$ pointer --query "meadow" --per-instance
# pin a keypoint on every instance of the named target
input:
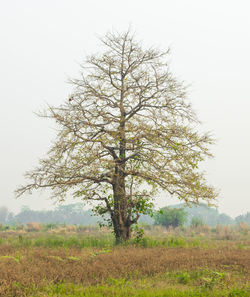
(52, 260)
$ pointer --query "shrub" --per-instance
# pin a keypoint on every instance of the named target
(183, 278)
(33, 227)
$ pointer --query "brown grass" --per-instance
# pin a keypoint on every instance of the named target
(39, 266)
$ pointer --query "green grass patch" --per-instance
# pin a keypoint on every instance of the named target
(122, 289)
(17, 260)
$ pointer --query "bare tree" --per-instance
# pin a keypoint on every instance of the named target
(126, 132)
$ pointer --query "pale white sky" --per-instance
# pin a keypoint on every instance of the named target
(42, 43)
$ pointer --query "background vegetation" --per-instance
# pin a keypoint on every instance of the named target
(77, 214)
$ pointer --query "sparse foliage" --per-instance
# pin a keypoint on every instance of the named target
(126, 132)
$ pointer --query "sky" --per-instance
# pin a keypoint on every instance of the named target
(42, 44)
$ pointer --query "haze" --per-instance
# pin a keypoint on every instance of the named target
(43, 43)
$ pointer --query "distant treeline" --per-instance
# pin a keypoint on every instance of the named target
(76, 214)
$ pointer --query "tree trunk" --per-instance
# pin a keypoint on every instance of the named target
(121, 220)
(122, 232)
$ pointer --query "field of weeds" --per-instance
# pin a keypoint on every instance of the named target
(81, 261)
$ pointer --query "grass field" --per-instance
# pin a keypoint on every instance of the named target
(71, 261)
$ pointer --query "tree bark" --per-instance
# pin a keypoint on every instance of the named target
(121, 220)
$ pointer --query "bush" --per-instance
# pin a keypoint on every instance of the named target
(33, 227)
(50, 226)
(183, 278)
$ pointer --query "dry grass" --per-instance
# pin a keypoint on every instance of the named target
(24, 268)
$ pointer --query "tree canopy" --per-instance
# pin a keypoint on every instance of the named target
(126, 131)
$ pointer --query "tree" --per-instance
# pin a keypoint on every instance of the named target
(171, 217)
(208, 214)
(245, 218)
(126, 132)
(3, 214)
(196, 222)
(224, 219)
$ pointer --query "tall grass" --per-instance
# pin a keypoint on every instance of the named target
(155, 236)
(55, 241)
(106, 240)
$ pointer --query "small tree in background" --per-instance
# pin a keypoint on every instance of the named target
(245, 218)
(126, 132)
(3, 214)
(224, 219)
(196, 222)
(167, 217)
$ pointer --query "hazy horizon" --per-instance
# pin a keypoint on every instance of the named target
(43, 43)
